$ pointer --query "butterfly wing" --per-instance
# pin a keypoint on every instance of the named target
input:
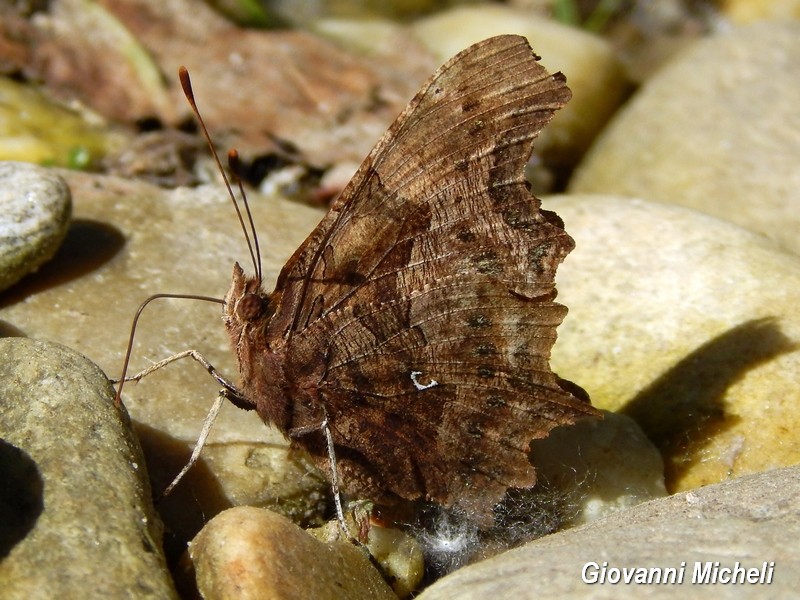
(427, 292)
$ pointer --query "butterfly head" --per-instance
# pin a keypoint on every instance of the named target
(247, 314)
(245, 302)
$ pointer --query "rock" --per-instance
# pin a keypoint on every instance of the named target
(689, 325)
(130, 240)
(747, 11)
(248, 552)
(397, 552)
(78, 519)
(752, 520)
(593, 73)
(597, 467)
(400, 557)
(717, 130)
(34, 220)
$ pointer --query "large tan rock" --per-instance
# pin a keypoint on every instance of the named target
(717, 130)
(688, 324)
(129, 240)
(751, 523)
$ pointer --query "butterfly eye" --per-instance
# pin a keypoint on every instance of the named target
(249, 307)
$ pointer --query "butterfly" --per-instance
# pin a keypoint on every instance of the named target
(408, 338)
(406, 344)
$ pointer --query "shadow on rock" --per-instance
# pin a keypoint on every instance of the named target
(21, 496)
(685, 408)
(88, 245)
(196, 499)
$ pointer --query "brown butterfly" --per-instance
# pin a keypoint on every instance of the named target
(415, 323)
(406, 344)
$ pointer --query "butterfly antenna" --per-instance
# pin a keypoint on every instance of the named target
(186, 84)
(118, 396)
(235, 167)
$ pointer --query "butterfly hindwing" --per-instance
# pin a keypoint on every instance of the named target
(452, 379)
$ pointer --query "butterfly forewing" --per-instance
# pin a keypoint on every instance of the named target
(457, 150)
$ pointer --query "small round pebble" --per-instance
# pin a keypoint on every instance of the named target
(252, 553)
(36, 214)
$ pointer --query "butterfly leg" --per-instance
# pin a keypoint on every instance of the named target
(337, 496)
(228, 392)
(233, 393)
(201, 441)
(324, 426)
